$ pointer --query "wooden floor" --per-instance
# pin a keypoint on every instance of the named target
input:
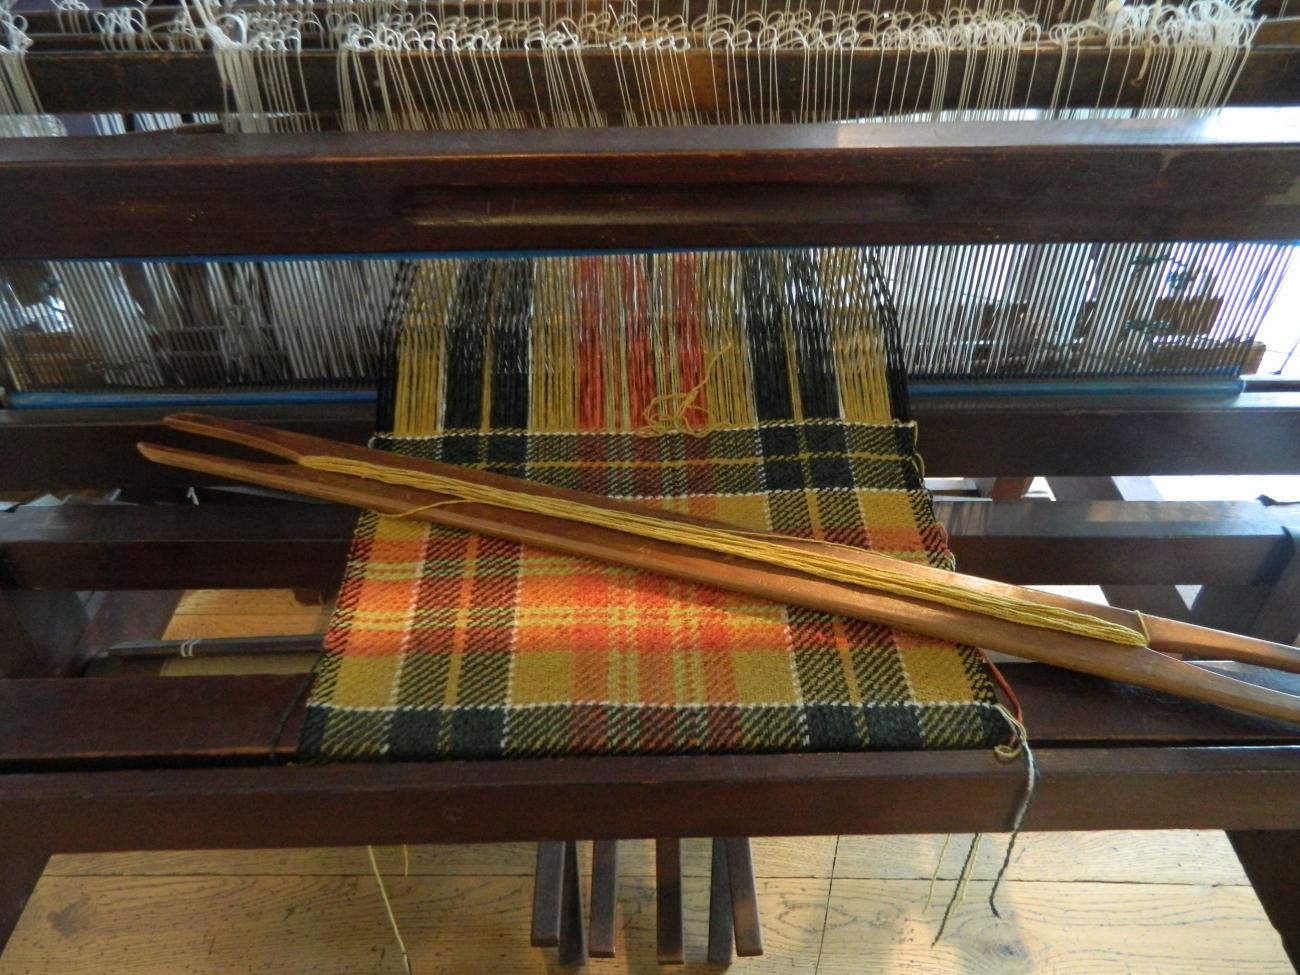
(1074, 904)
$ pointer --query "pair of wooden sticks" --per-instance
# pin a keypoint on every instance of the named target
(1147, 666)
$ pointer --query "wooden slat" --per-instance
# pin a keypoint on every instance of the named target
(1228, 177)
(721, 937)
(1254, 433)
(81, 81)
(744, 898)
(194, 547)
(1170, 857)
(604, 898)
(759, 795)
(671, 945)
(141, 719)
(573, 934)
(548, 894)
(286, 544)
(336, 926)
(153, 721)
(1048, 928)
(164, 13)
(797, 857)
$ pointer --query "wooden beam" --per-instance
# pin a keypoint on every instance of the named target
(1228, 177)
(1279, 618)
(286, 544)
(1253, 433)
(162, 13)
(81, 81)
(1158, 787)
(147, 721)
(1157, 600)
(744, 898)
(278, 545)
(573, 934)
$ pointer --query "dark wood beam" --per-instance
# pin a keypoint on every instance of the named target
(150, 721)
(88, 80)
(1229, 177)
(1159, 600)
(288, 544)
(1158, 787)
(276, 545)
(161, 13)
(1251, 433)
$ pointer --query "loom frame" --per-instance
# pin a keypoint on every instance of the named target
(135, 761)
(1226, 177)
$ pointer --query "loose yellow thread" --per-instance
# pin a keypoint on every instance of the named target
(938, 867)
(1142, 623)
(968, 869)
(411, 512)
(1009, 753)
(670, 412)
(737, 543)
(388, 909)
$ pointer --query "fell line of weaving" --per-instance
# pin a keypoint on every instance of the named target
(448, 644)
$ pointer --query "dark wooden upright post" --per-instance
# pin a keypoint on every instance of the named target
(720, 937)
(1271, 859)
(19, 873)
(604, 897)
(548, 894)
(668, 901)
(573, 936)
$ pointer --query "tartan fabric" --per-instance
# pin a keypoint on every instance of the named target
(451, 645)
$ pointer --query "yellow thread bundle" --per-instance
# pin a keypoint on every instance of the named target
(745, 546)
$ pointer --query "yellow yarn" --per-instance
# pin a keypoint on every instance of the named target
(758, 549)
(613, 310)
(671, 412)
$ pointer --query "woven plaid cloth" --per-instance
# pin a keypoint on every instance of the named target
(451, 645)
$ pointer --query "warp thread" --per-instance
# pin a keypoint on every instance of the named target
(745, 546)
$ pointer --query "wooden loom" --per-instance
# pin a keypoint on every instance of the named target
(133, 761)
